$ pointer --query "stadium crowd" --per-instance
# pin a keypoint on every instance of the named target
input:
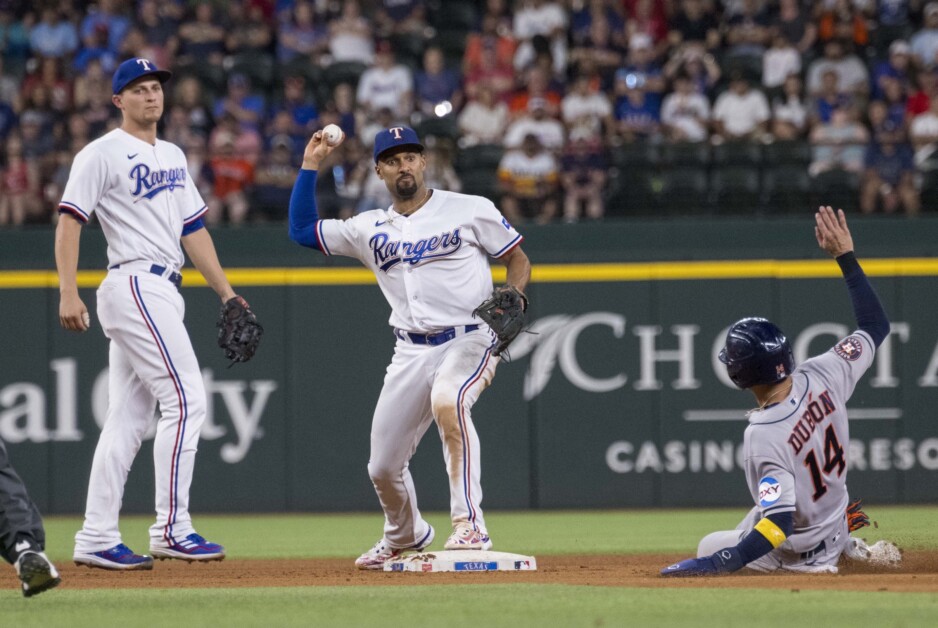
(558, 110)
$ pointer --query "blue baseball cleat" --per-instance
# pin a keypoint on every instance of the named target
(120, 557)
(192, 548)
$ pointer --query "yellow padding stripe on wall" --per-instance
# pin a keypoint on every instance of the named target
(770, 531)
(541, 273)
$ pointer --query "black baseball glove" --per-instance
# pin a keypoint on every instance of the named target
(239, 333)
(504, 313)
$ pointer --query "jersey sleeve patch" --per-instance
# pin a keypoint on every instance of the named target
(770, 490)
(850, 348)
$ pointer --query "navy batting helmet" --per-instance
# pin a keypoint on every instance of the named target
(756, 352)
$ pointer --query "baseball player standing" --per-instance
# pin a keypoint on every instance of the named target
(796, 445)
(429, 251)
(22, 536)
(147, 203)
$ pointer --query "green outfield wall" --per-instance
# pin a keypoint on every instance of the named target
(615, 400)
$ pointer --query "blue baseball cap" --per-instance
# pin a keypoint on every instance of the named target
(396, 137)
(132, 69)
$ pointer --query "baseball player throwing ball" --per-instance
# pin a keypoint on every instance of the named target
(146, 202)
(429, 251)
(796, 444)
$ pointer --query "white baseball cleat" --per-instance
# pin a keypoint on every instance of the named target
(880, 554)
(382, 552)
(465, 537)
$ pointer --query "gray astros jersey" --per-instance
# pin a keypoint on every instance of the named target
(796, 451)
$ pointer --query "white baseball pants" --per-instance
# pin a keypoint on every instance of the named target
(151, 361)
(424, 384)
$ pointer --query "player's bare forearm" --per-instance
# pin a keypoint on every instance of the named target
(519, 269)
(73, 314)
(831, 231)
(201, 250)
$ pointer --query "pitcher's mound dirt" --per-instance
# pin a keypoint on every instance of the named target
(919, 573)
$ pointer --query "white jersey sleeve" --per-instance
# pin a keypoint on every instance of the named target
(192, 206)
(493, 231)
(771, 483)
(843, 366)
(344, 237)
(86, 184)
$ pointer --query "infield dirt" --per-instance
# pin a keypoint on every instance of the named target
(918, 573)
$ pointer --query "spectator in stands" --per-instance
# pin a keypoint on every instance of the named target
(637, 114)
(747, 31)
(436, 85)
(793, 24)
(896, 101)
(923, 134)
(592, 11)
(241, 102)
(250, 32)
(159, 31)
(789, 113)
(50, 79)
(188, 97)
(829, 98)
(386, 85)
(685, 114)
(598, 52)
(14, 33)
(106, 15)
(528, 179)
(778, 62)
(537, 84)
(927, 88)
(648, 19)
(247, 140)
(200, 168)
(233, 176)
(94, 48)
(700, 66)
(53, 36)
(302, 113)
(889, 180)
(884, 129)
(340, 110)
(9, 87)
(273, 181)
(852, 75)
(484, 119)
(924, 42)
(350, 35)
(897, 66)
(19, 185)
(7, 120)
(498, 76)
(547, 19)
(301, 37)
(641, 70)
(586, 111)
(695, 23)
(401, 17)
(538, 122)
(843, 20)
(440, 173)
(893, 13)
(282, 129)
(499, 42)
(583, 178)
(740, 113)
(201, 37)
(838, 144)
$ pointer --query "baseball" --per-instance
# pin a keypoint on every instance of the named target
(86, 319)
(332, 134)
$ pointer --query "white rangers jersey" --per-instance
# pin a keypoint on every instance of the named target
(142, 193)
(796, 451)
(432, 265)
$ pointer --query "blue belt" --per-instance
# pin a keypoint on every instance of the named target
(811, 553)
(174, 277)
(438, 338)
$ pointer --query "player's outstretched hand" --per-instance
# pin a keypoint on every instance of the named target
(831, 231)
(317, 149)
(691, 567)
(73, 315)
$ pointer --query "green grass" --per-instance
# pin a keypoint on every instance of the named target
(514, 605)
(554, 532)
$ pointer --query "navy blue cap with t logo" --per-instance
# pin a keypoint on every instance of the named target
(132, 69)
(396, 137)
